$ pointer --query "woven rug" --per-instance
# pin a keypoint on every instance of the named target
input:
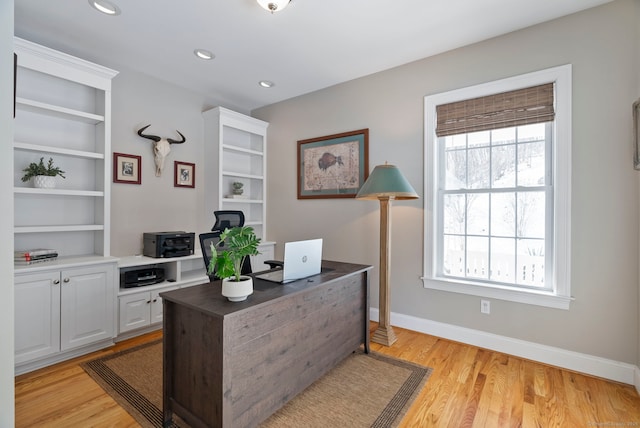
(364, 390)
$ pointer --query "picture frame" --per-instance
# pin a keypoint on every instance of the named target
(636, 135)
(127, 168)
(333, 166)
(184, 174)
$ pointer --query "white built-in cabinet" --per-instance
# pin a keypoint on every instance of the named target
(63, 111)
(140, 308)
(235, 149)
(63, 312)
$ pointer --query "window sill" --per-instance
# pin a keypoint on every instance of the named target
(529, 297)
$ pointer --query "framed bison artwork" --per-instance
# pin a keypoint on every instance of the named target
(334, 166)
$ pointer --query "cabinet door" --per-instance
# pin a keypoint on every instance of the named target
(156, 305)
(37, 311)
(135, 311)
(87, 305)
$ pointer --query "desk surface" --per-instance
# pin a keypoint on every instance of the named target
(208, 298)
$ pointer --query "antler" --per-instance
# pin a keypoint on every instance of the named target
(176, 141)
(151, 137)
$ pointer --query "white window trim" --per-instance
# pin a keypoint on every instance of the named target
(560, 297)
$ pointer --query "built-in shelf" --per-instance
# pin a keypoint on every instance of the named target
(242, 150)
(52, 229)
(242, 175)
(62, 112)
(57, 111)
(65, 262)
(59, 192)
(244, 201)
(57, 150)
(235, 151)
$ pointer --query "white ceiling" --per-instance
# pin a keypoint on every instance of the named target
(310, 45)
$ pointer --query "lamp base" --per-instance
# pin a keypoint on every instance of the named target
(384, 336)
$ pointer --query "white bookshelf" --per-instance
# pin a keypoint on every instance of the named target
(63, 111)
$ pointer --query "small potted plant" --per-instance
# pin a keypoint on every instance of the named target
(227, 258)
(43, 176)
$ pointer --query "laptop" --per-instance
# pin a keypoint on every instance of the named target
(302, 259)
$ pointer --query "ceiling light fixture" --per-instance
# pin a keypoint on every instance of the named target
(203, 54)
(274, 5)
(266, 84)
(105, 6)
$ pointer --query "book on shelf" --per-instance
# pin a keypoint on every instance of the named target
(34, 261)
(34, 254)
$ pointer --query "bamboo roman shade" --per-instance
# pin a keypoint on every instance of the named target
(520, 107)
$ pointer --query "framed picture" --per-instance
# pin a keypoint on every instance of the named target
(334, 166)
(127, 168)
(184, 174)
(636, 135)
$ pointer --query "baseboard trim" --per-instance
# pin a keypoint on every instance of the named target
(583, 363)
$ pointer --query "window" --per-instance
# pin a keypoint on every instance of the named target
(497, 176)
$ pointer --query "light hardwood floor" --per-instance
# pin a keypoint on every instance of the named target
(469, 387)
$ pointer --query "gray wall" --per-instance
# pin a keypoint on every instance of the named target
(156, 205)
(6, 225)
(602, 45)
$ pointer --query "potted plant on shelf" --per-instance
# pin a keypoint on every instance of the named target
(227, 258)
(43, 176)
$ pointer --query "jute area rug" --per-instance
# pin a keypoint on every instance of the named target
(363, 391)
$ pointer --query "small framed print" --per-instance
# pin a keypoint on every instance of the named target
(184, 174)
(127, 168)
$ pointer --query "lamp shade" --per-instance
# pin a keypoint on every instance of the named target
(386, 180)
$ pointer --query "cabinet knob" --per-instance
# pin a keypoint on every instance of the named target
(56, 281)
(148, 301)
(155, 300)
(66, 280)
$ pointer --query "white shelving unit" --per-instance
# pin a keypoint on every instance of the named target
(140, 308)
(236, 151)
(63, 308)
(63, 111)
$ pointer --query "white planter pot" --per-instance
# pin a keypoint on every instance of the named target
(237, 291)
(44, 182)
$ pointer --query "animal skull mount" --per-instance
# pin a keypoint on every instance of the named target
(161, 147)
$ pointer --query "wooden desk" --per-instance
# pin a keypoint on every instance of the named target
(234, 364)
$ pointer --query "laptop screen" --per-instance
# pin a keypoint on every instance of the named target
(302, 259)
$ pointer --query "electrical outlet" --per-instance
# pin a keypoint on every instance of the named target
(485, 306)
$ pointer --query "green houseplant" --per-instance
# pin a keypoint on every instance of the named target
(227, 258)
(37, 170)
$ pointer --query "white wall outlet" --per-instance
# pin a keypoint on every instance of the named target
(485, 306)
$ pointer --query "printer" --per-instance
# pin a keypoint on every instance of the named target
(168, 244)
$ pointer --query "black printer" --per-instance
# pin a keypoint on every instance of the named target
(168, 244)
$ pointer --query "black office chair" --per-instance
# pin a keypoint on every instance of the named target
(227, 219)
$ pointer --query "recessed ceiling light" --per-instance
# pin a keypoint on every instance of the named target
(203, 54)
(105, 6)
(266, 84)
(274, 5)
